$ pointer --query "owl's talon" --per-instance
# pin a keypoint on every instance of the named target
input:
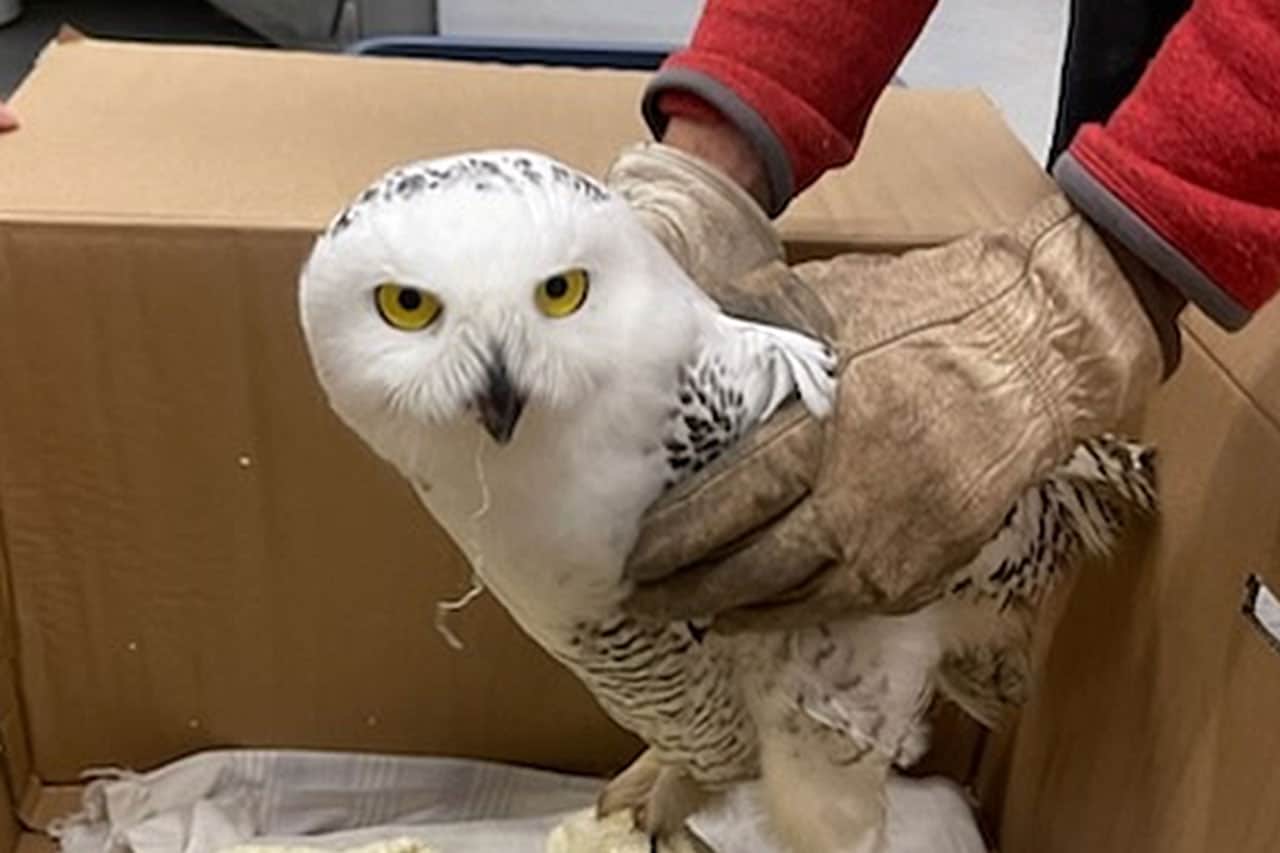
(660, 798)
(640, 816)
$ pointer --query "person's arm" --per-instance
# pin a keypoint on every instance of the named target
(1185, 173)
(951, 402)
(8, 120)
(776, 92)
(1181, 180)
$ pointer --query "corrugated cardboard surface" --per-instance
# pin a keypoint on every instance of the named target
(1155, 725)
(199, 553)
(254, 138)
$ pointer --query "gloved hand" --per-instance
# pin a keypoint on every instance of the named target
(708, 223)
(966, 373)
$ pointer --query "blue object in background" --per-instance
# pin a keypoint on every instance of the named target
(621, 55)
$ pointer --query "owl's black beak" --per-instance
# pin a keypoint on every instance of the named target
(500, 403)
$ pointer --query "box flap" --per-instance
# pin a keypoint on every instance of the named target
(1159, 693)
(118, 132)
(201, 555)
(1250, 356)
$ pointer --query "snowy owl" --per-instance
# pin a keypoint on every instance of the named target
(505, 332)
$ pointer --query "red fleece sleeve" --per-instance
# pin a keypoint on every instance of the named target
(1187, 170)
(798, 77)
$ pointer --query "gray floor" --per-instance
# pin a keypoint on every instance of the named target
(1009, 48)
(1012, 49)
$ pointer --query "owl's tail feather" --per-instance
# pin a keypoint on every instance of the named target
(820, 799)
(1080, 510)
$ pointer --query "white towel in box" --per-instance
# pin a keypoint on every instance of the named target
(215, 802)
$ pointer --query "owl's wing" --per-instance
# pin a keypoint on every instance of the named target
(739, 377)
(873, 677)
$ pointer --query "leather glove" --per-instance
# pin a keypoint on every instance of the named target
(966, 373)
(709, 224)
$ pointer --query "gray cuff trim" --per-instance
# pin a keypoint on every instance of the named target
(777, 165)
(1108, 212)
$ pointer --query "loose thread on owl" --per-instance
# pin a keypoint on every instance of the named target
(453, 605)
(444, 608)
(482, 480)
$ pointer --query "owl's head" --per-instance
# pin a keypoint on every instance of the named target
(475, 288)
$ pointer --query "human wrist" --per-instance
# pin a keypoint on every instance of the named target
(1161, 301)
(720, 144)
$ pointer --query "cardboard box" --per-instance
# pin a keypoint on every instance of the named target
(1155, 725)
(198, 554)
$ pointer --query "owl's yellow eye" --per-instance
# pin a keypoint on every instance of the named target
(406, 308)
(563, 293)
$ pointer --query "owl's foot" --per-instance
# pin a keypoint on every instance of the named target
(672, 801)
(660, 798)
(631, 787)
